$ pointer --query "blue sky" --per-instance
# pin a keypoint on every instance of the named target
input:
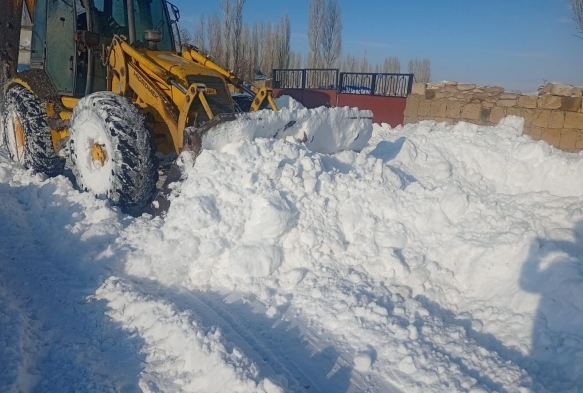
(511, 43)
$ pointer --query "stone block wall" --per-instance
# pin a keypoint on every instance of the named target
(554, 115)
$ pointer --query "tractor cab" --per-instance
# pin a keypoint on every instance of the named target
(73, 52)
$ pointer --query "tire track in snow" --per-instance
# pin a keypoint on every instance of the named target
(66, 343)
(286, 359)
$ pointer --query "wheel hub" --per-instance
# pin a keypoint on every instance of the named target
(18, 135)
(19, 131)
(98, 154)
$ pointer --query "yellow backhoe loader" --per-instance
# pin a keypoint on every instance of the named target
(108, 87)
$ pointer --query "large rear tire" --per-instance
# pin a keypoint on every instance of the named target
(26, 133)
(113, 152)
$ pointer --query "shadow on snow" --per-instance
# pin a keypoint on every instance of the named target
(48, 271)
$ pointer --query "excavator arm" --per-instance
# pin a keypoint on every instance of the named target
(192, 53)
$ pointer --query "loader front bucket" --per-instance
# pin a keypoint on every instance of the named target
(324, 130)
(191, 149)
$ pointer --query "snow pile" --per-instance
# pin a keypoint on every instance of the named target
(288, 102)
(62, 304)
(193, 360)
(325, 130)
(438, 258)
(424, 234)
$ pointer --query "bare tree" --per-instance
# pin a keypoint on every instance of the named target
(283, 45)
(245, 62)
(185, 37)
(237, 26)
(255, 47)
(215, 39)
(269, 50)
(364, 64)
(262, 43)
(228, 12)
(421, 68)
(332, 35)
(317, 19)
(349, 64)
(295, 60)
(392, 65)
(199, 39)
(577, 6)
(258, 47)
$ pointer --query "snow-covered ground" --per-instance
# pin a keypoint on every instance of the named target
(438, 259)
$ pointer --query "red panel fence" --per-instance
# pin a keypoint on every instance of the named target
(383, 93)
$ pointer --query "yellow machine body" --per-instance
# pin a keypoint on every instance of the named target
(162, 83)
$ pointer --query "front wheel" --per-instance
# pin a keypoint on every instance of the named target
(112, 151)
(26, 133)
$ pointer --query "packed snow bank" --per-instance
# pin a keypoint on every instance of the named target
(426, 234)
(439, 258)
(288, 102)
(69, 323)
(325, 130)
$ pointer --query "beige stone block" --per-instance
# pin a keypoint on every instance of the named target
(465, 86)
(546, 89)
(568, 139)
(412, 106)
(424, 108)
(557, 119)
(450, 83)
(494, 90)
(577, 92)
(488, 104)
(429, 94)
(579, 142)
(443, 120)
(478, 90)
(418, 88)
(508, 96)
(506, 103)
(528, 115)
(451, 90)
(485, 115)
(527, 101)
(541, 119)
(496, 114)
(476, 100)
(548, 101)
(574, 120)
(410, 120)
(437, 85)
(437, 108)
(453, 109)
(572, 104)
(513, 112)
(439, 95)
(562, 90)
(534, 132)
(471, 111)
(551, 136)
